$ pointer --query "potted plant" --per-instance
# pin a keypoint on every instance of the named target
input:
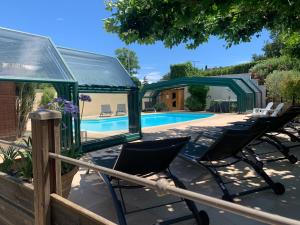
(18, 162)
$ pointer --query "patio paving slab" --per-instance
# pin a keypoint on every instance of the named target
(90, 192)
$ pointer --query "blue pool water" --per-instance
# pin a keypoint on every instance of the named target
(148, 120)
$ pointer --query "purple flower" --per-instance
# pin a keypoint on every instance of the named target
(58, 100)
(85, 98)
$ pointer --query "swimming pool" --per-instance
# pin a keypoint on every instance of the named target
(148, 120)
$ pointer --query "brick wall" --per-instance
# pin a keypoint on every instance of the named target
(8, 118)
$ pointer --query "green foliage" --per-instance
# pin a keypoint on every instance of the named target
(193, 22)
(136, 81)
(186, 69)
(48, 96)
(284, 84)
(274, 48)
(194, 104)
(24, 103)
(182, 70)
(8, 155)
(167, 76)
(199, 91)
(236, 69)
(291, 41)
(262, 69)
(128, 59)
(72, 153)
(197, 100)
(256, 57)
(160, 107)
(25, 169)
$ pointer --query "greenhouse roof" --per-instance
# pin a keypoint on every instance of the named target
(28, 57)
(92, 69)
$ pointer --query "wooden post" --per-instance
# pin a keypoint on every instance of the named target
(45, 126)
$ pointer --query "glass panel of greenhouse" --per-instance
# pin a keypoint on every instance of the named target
(94, 69)
(30, 57)
(112, 113)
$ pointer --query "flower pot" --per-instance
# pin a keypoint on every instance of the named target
(66, 181)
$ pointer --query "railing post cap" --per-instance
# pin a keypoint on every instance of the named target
(45, 114)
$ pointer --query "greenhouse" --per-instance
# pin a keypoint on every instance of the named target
(27, 59)
(248, 95)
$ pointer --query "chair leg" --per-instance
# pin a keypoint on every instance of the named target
(201, 217)
(278, 188)
(292, 136)
(226, 195)
(117, 204)
(283, 149)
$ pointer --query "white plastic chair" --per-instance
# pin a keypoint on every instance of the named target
(263, 111)
(278, 110)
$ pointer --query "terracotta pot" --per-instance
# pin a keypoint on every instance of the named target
(66, 181)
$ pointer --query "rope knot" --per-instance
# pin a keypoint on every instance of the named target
(161, 187)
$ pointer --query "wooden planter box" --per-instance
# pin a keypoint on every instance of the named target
(66, 179)
(17, 206)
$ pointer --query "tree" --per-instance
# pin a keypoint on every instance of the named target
(271, 49)
(274, 48)
(24, 105)
(128, 59)
(284, 84)
(48, 96)
(193, 22)
(182, 70)
(145, 80)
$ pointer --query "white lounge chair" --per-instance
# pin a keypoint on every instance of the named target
(271, 112)
(262, 111)
(105, 110)
(121, 109)
(278, 110)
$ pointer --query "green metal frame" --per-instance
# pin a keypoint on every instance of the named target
(245, 101)
(133, 117)
(70, 135)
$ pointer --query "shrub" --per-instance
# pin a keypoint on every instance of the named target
(261, 70)
(182, 70)
(284, 84)
(24, 104)
(236, 69)
(199, 94)
(161, 107)
(48, 96)
(194, 104)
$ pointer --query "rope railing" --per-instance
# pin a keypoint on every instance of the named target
(162, 186)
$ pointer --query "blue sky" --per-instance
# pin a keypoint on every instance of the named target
(78, 24)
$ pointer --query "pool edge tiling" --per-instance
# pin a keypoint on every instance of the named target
(148, 120)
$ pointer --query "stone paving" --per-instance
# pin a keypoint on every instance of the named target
(90, 192)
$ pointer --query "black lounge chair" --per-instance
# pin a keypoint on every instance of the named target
(277, 125)
(105, 110)
(121, 109)
(145, 159)
(231, 143)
